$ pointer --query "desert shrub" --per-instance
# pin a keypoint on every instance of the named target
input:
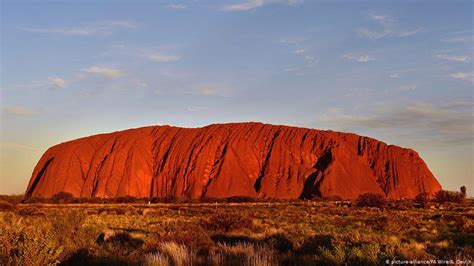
(463, 191)
(243, 254)
(377, 223)
(448, 196)
(190, 234)
(6, 206)
(96, 200)
(313, 244)
(400, 204)
(29, 211)
(371, 200)
(127, 199)
(28, 245)
(364, 255)
(167, 199)
(333, 198)
(89, 257)
(125, 241)
(155, 259)
(62, 197)
(12, 199)
(180, 254)
(118, 211)
(279, 242)
(120, 244)
(410, 251)
(241, 199)
(29, 200)
(335, 256)
(68, 228)
(226, 222)
(422, 199)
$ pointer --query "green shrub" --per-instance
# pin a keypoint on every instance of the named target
(371, 200)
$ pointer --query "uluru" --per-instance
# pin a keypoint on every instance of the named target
(226, 160)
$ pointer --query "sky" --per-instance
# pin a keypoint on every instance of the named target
(398, 71)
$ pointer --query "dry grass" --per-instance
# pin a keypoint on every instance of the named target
(244, 233)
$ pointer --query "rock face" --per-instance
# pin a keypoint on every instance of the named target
(225, 160)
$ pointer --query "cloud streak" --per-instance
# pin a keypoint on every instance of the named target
(176, 6)
(211, 90)
(87, 29)
(17, 146)
(18, 111)
(162, 57)
(361, 58)
(464, 76)
(57, 82)
(460, 39)
(253, 4)
(454, 58)
(108, 72)
(386, 28)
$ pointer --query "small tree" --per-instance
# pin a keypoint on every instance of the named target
(463, 191)
(371, 200)
(62, 197)
(422, 199)
(448, 196)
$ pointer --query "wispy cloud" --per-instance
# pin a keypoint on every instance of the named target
(57, 82)
(86, 29)
(298, 49)
(253, 4)
(400, 89)
(386, 27)
(18, 111)
(394, 75)
(176, 6)
(295, 41)
(464, 76)
(455, 58)
(161, 57)
(104, 71)
(211, 90)
(196, 108)
(446, 123)
(361, 58)
(13, 145)
(407, 33)
(460, 39)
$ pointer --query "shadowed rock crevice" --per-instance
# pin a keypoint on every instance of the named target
(258, 182)
(38, 177)
(312, 184)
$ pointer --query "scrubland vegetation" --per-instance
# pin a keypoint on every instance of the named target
(128, 231)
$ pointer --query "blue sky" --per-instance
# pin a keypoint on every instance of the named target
(399, 71)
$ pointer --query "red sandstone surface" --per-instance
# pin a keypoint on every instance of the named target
(225, 160)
